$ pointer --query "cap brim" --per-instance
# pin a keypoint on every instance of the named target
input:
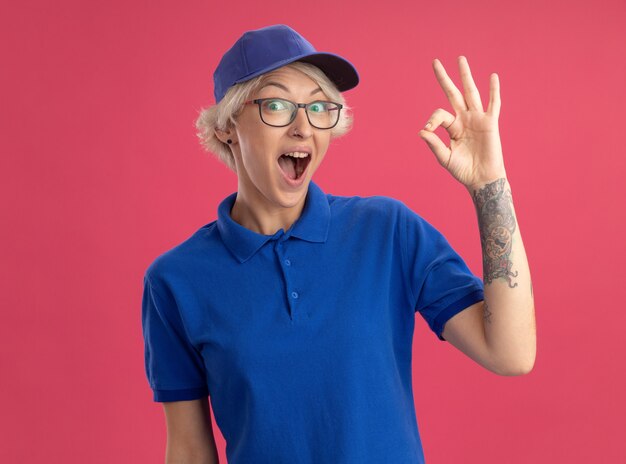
(338, 69)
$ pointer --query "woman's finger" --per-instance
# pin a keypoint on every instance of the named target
(442, 153)
(472, 96)
(494, 95)
(454, 95)
(440, 117)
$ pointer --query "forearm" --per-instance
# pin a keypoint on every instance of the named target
(509, 312)
(192, 459)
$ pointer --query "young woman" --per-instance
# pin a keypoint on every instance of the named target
(294, 310)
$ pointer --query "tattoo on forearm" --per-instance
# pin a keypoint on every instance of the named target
(497, 224)
(487, 313)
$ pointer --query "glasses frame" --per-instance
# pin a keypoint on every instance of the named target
(259, 101)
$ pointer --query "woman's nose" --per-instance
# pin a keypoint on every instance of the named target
(300, 125)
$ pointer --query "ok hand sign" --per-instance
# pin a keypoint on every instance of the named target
(474, 156)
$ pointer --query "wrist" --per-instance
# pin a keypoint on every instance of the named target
(500, 181)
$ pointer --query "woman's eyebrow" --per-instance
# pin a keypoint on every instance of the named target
(281, 86)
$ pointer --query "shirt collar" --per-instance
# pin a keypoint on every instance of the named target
(312, 225)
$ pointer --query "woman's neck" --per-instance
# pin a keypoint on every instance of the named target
(262, 218)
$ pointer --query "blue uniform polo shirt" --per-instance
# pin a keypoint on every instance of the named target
(303, 338)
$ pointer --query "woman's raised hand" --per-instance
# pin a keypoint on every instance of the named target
(474, 156)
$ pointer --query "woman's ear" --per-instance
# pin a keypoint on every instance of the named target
(224, 136)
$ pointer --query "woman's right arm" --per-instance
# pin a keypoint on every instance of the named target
(189, 433)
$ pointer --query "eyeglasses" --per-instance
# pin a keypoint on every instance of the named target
(278, 112)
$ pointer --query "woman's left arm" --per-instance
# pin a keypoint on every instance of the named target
(499, 332)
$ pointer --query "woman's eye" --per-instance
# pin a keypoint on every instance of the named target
(318, 107)
(275, 105)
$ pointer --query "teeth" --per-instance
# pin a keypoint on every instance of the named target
(297, 154)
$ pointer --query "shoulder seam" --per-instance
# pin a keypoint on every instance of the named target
(404, 250)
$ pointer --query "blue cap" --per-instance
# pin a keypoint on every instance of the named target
(261, 50)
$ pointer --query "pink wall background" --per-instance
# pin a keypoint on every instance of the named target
(101, 172)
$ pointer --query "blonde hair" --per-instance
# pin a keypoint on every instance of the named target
(224, 114)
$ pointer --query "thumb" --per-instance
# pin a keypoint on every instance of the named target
(437, 146)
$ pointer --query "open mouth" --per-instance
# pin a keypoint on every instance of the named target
(294, 164)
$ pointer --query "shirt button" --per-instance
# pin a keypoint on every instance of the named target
(287, 262)
(294, 294)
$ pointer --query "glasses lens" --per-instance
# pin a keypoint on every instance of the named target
(323, 114)
(277, 112)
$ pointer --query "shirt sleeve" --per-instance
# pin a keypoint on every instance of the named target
(174, 367)
(441, 283)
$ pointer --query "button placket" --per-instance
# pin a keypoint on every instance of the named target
(285, 265)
